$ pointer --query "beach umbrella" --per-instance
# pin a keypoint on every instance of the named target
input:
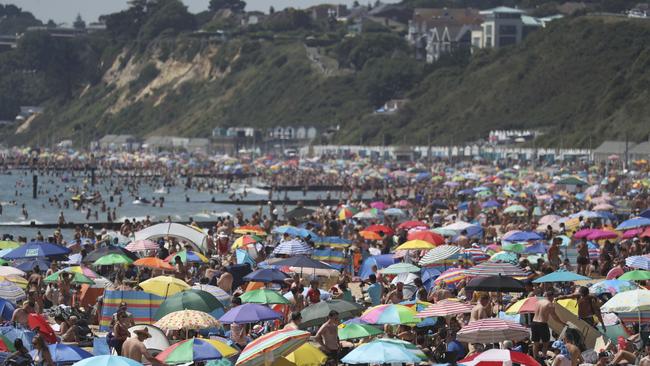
(187, 256)
(292, 247)
(495, 269)
(8, 244)
(490, 204)
(113, 259)
(451, 276)
(499, 357)
(249, 313)
(186, 320)
(36, 250)
(333, 241)
(518, 236)
(215, 291)
(6, 309)
(632, 223)
(549, 219)
(195, 350)
(513, 247)
(77, 278)
(307, 355)
(612, 287)
(390, 314)
(380, 228)
(638, 261)
(356, 331)
(272, 345)
(316, 314)
(298, 213)
(601, 235)
(582, 233)
(636, 275)
(190, 299)
(415, 245)
(441, 255)
(10, 271)
(398, 268)
(369, 214)
(302, 263)
(246, 240)
(103, 251)
(474, 254)
(523, 306)
(537, 248)
(370, 235)
(515, 209)
(385, 351)
(561, 276)
(266, 275)
(426, 235)
(142, 245)
(395, 212)
(83, 270)
(345, 213)
(154, 263)
(412, 224)
(286, 229)
(11, 292)
(497, 283)
(628, 302)
(107, 360)
(35, 321)
(65, 353)
(252, 230)
(445, 308)
(492, 330)
(20, 281)
(263, 296)
(30, 265)
(6, 345)
(504, 257)
(164, 286)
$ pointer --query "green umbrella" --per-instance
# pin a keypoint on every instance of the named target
(638, 275)
(3, 262)
(263, 296)
(398, 268)
(77, 278)
(515, 209)
(112, 259)
(316, 314)
(355, 331)
(191, 299)
(514, 247)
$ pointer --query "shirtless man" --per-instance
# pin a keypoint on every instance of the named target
(482, 309)
(554, 253)
(397, 295)
(539, 328)
(65, 286)
(225, 281)
(21, 314)
(588, 306)
(439, 293)
(328, 336)
(135, 349)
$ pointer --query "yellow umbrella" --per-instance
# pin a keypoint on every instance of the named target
(570, 304)
(415, 245)
(307, 355)
(8, 244)
(21, 282)
(282, 361)
(164, 285)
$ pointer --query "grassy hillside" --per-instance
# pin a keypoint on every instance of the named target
(580, 81)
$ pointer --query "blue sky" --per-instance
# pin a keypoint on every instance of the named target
(66, 10)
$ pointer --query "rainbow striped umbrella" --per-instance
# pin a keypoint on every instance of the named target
(445, 308)
(390, 314)
(187, 256)
(451, 276)
(195, 350)
(346, 213)
(476, 255)
(271, 346)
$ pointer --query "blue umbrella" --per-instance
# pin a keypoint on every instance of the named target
(561, 276)
(107, 360)
(6, 309)
(64, 353)
(632, 223)
(28, 266)
(333, 240)
(522, 236)
(536, 248)
(383, 351)
(266, 275)
(646, 214)
(15, 333)
(249, 313)
(37, 249)
(490, 204)
(286, 229)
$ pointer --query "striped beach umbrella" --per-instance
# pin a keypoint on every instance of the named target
(638, 261)
(142, 245)
(442, 255)
(445, 308)
(475, 255)
(451, 276)
(271, 346)
(492, 330)
(494, 269)
(187, 256)
(195, 350)
(11, 292)
(292, 247)
(390, 314)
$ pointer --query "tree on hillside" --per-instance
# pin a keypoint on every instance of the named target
(170, 16)
(233, 5)
(79, 23)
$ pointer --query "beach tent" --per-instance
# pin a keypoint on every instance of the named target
(193, 236)
(381, 261)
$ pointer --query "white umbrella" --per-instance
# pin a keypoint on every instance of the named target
(628, 302)
(191, 235)
(11, 292)
(10, 271)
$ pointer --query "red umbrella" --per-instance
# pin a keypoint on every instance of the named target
(380, 228)
(499, 357)
(38, 321)
(411, 224)
(428, 236)
(645, 233)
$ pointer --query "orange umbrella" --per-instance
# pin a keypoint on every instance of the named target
(428, 236)
(154, 263)
(370, 235)
(254, 286)
(250, 229)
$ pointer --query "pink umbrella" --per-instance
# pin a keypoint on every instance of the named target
(602, 234)
(583, 233)
(141, 245)
(603, 207)
(378, 205)
(549, 219)
(632, 233)
(403, 203)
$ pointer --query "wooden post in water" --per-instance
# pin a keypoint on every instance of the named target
(34, 186)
